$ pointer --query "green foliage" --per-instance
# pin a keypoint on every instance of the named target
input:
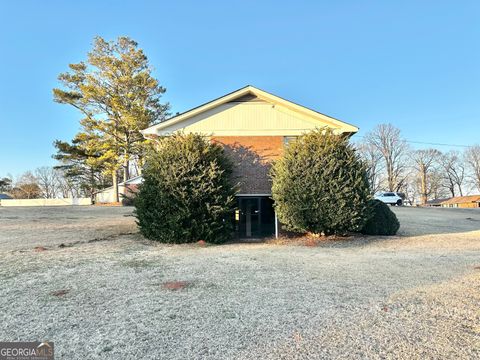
(117, 97)
(186, 194)
(5, 184)
(80, 166)
(381, 220)
(320, 185)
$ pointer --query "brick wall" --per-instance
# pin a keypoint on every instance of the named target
(252, 157)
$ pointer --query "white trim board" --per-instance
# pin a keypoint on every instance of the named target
(253, 195)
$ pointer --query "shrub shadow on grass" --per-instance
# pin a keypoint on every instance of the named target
(333, 241)
(139, 264)
(351, 241)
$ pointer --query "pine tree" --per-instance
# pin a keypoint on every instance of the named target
(117, 95)
(80, 165)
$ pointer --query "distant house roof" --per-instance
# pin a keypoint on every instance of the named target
(437, 201)
(5, 197)
(462, 199)
(133, 181)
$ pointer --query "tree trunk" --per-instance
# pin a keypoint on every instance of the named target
(126, 168)
(126, 159)
(424, 186)
(391, 184)
(452, 190)
(92, 186)
(115, 186)
(138, 166)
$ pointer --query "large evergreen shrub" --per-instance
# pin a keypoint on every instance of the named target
(381, 221)
(186, 194)
(320, 185)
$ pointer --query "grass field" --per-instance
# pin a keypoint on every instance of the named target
(83, 278)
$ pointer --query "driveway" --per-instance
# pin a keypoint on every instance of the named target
(98, 290)
(425, 221)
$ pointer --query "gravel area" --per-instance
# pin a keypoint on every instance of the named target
(106, 293)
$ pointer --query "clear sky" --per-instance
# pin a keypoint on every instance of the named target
(415, 64)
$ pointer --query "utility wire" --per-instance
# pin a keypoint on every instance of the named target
(439, 144)
(427, 143)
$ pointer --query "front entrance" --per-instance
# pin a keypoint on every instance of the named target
(255, 217)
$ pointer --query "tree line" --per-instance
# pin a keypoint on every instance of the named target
(45, 182)
(421, 174)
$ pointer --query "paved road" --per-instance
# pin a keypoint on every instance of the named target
(427, 221)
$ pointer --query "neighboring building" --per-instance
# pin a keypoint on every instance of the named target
(436, 202)
(471, 201)
(253, 126)
(126, 190)
(4, 197)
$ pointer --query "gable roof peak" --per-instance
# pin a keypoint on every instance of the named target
(249, 89)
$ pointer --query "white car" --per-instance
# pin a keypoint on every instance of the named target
(390, 198)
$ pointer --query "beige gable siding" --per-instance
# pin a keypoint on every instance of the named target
(249, 112)
(249, 118)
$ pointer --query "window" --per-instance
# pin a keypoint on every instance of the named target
(288, 139)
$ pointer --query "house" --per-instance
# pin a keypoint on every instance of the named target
(254, 127)
(436, 202)
(4, 197)
(125, 190)
(470, 201)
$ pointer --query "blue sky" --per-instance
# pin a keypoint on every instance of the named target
(415, 64)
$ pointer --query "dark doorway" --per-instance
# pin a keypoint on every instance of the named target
(255, 217)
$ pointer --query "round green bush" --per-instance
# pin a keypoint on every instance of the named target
(381, 221)
(186, 194)
(320, 185)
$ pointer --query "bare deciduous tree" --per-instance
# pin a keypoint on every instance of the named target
(437, 184)
(373, 161)
(69, 187)
(424, 162)
(26, 187)
(387, 140)
(472, 159)
(410, 188)
(453, 169)
(49, 181)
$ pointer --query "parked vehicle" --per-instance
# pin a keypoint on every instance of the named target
(391, 198)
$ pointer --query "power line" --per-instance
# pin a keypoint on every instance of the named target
(428, 143)
(438, 144)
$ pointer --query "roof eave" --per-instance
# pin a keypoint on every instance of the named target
(198, 110)
(156, 129)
